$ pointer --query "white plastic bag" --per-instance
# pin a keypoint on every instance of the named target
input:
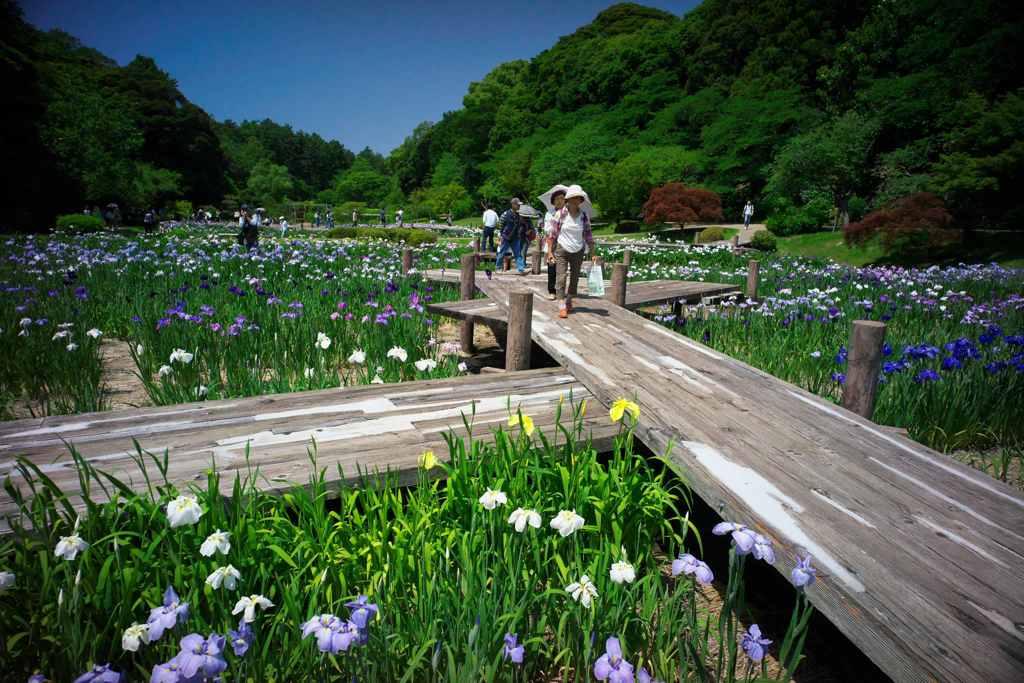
(595, 281)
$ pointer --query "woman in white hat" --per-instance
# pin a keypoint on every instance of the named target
(554, 200)
(568, 242)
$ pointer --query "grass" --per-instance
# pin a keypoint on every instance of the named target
(448, 572)
(829, 245)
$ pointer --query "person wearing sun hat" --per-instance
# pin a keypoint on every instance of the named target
(568, 242)
(553, 200)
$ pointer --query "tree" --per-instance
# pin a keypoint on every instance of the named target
(153, 186)
(676, 203)
(831, 160)
(908, 226)
(623, 187)
(451, 198)
(361, 183)
(448, 170)
(269, 182)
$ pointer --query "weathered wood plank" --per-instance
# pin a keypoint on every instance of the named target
(366, 428)
(921, 558)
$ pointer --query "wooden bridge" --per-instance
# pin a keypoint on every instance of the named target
(921, 559)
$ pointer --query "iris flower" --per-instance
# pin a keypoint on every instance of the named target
(621, 407)
(524, 421)
(183, 510)
(566, 522)
(248, 605)
(742, 536)
(68, 547)
(167, 616)
(691, 566)
(582, 591)
(512, 650)
(520, 518)
(803, 573)
(611, 666)
(218, 541)
(753, 644)
(493, 498)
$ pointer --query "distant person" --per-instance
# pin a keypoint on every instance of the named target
(316, 219)
(355, 218)
(85, 211)
(243, 224)
(449, 219)
(252, 234)
(400, 217)
(330, 219)
(513, 232)
(568, 243)
(490, 221)
(748, 213)
(149, 220)
(554, 200)
(382, 217)
(284, 226)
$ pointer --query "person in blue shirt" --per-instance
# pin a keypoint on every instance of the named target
(513, 235)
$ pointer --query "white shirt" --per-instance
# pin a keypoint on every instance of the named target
(490, 218)
(748, 210)
(550, 221)
(571, 236)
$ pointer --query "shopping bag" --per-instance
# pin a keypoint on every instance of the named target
(595, 282)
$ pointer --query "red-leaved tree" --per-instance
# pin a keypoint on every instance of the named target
(908, 225)
(676, 203)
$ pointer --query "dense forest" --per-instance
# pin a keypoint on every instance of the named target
(815, 109)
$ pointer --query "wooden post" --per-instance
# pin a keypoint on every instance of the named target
(752, 269)
(735, 242)
(507, 265)
(627, 258)
(406, 261)
(617, 292)
(476, 245)
(467, 288)
(520, 317)
(863, 365)
(535, 263)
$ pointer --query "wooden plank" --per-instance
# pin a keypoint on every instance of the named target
(368, 428)
(920, 558)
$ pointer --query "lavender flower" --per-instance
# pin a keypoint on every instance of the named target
(611, 666)
(753, 644)
(202, 656)
(512, 650)
(167, 616)
(763, 549)
(101, 673)
(803, 573)
(332, 634)
(742, 536)
(690, 565)
(643, 677)
(362, 612)
(241, 639)
(168, 672)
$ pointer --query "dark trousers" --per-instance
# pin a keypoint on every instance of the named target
(488, 240)
(552, 269)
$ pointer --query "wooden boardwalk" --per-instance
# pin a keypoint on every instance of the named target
(367, 428)
(920, 558)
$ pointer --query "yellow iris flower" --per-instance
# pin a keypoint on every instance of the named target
(524, 421)
(621, 407)
(428, 460)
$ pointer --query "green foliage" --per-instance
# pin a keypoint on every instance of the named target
(794, 220)
(152, 186)
(361, 183)
(448, 171)
(625, 185)
(407, 235)
(268, 182)
(78, 222)
(451, 198)
(764, 240)
(709, 235)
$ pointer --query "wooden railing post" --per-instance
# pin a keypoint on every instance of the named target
(627, 258)
(476, 245)
(752, 273)
(535, 262)
(864, 362)
(406, 261)
(467, 288)
(617, 292)
(518, 341)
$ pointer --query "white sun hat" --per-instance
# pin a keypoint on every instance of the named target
(546, 197)
(577, 191)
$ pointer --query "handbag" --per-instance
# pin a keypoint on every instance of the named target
(595, 281)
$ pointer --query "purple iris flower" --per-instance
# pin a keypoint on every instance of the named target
(611, 666)
(841, 356)
(741, 535)
(234, 330)
(81, 293)
(643, 677)
(37, 678)
(763, 549)
(391, 287)
(753, 644)
(839, 377)
(951, 363)
(926, 376)
(362, 612)
(886, 349)
(690, 565)
(202, 656)
(803, 573)
(241, 639)
(332, 634)
(513, 650)
(167, 616)
(162, 323)
(101, 673)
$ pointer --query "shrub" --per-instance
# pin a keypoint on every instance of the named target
(708, 235)
(857, 208)
(626, 227)
(764, 240)
(908, 226)
(793, 220)
(410, 235)
(676, 203)
(79, 222)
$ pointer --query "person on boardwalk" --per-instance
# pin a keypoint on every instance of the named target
(243, 222)
(567, 243)
(399, 217)
(512, 234)
(149, 221)
(381, 217)
(252, 234)
(284, 226)
(554, 200)
(355, 218)
(490, 220)
(748, 213)
(316, 219)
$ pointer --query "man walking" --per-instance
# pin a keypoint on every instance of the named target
(490, 219)
(748, 213)
(380, 216)
(355, 218)
(512, 234)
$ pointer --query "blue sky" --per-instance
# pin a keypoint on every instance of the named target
(364, 73)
